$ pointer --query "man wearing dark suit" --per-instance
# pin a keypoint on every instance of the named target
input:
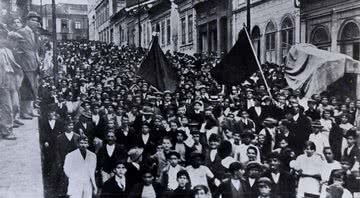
(257, 113)
(86, 127)
(146, 116)
(117, 186)
(108, 155)
(125, 134)
(301, 127)
(235, 186)
(65, 143)
(29, 61)
(99, 122)
(51, 128)
(145, 140)
(351, 152)
(283, 183)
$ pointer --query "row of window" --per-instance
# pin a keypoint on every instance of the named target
(106, 35)
(188, 27)
(102, 14)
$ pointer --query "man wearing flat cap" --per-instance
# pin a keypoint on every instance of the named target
(264, 188)
(29, 62)
(235, 186)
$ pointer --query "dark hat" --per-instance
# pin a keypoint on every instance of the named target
(247, 134)
(196, 154)
(253, 165)
(351, 133)
(33, 14)
(235, 166)
(172, 153)
(264, 181)
(214, 138)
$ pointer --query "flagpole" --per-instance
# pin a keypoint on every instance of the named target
(257, 61)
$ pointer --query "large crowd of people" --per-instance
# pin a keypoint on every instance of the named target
(104, 131)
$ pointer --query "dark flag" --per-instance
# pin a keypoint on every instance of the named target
(238, 65)
(157, 70)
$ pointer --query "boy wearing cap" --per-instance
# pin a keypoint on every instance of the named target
(264, 188)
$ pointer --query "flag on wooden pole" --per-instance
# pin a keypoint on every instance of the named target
(157, 70)
(238, 65)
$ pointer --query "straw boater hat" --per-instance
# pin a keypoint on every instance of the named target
(146, 110)
(316, 124)
(135, 153)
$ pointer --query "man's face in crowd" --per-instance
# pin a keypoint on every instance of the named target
(182, 180)
(264, 190)
(17, 24)
(197, 106)
(251, 153)
(214, 144)
(173, 126)
(166, 144)
(200, 194)
(254, 173)
(329, 156)
(110, 138)
(120, 170)
(350, 140)
(324, 101)
(196, 138)
(174, 160)
(148, 179)
(296, 108)
(145, 129)
(69, 127)
(52, 115)
(274, 164)
(281, 100)
(249, 95)
(83, 144)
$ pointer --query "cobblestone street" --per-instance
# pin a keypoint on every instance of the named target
(20, 167)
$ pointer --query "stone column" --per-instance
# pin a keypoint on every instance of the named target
(219, 41)
(358, 86)
(334, 31)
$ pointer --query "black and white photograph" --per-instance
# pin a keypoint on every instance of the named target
(179, 99)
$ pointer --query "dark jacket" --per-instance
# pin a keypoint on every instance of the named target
(225, 190)
(138, 188)
(107, 163)
(112, 190)
(285, 188)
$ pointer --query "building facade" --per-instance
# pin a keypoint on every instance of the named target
(275, 27)
(333, 25)
(71, 20)
(213, 24)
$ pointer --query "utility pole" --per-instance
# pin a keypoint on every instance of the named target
(41, 13)
(54, 42)
(248, 16)
(139, 22)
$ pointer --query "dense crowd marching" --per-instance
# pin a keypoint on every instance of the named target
(106, 132)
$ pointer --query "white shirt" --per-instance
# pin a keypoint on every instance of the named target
(258, 110)
(251, 181)
(148, 192)
(69, 135)
(327, 168)
(320, 141)
(296, 117)
(172, 173)
(275, 177)
(145, 138)
(84, 125)
(52, 124)
(110, 149)
(121, 182)
(95, 119)
(213, 153)
(199, 175)
(235, 183)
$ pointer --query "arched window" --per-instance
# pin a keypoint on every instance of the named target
(255, 36)
(270, 41)
(320, 38)
(287, 35)
(350, 40)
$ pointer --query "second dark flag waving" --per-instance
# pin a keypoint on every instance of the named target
(238, 65)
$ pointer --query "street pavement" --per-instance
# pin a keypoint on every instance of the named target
(20, 164)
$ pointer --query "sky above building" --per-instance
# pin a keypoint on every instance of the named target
(60, 1)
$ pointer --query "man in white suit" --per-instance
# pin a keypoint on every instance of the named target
(79, 167)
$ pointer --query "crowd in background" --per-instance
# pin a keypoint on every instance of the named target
(106, 132)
